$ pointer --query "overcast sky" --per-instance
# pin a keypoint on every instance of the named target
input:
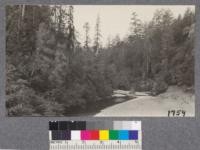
(115, 19)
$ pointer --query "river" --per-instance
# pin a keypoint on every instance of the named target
(145, 105)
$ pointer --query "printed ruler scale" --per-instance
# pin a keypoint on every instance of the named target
(95, 145)
(95, 135)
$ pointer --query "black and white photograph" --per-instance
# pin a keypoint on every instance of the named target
(100, 60)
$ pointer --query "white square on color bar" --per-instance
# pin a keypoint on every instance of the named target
(75, 135)
(136, 125)
(131, 125)
(127, 125)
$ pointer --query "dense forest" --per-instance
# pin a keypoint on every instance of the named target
(49, 72)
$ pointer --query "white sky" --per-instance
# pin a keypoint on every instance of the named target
(115, 19)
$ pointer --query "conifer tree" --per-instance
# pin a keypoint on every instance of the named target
(97, 36)
(87, 38)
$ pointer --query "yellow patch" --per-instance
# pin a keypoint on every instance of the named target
(103, 135)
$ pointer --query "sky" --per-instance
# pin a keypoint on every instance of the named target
(115, 19)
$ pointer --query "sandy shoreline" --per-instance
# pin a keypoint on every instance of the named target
(154, 106)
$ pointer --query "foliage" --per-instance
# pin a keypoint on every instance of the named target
(50, 73)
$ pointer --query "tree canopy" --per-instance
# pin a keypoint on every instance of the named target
(50, 73)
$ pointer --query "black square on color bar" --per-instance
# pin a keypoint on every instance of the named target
(64, 125)
(55, 134)
(72, 125)
(81, 125)
(53, 125)
(61, 135)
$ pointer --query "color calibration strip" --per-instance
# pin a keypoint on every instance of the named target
(95, 135)
(91, 125)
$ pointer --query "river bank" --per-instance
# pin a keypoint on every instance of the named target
(174, 98)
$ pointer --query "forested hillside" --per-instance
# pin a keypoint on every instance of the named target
(50, 73)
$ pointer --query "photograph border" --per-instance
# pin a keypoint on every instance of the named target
(158, 132)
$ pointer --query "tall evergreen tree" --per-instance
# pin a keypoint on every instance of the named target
(70, 34)
(97, 37)
(136, 26)
(87, 38)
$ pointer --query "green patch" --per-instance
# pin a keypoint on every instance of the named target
(113, 135)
